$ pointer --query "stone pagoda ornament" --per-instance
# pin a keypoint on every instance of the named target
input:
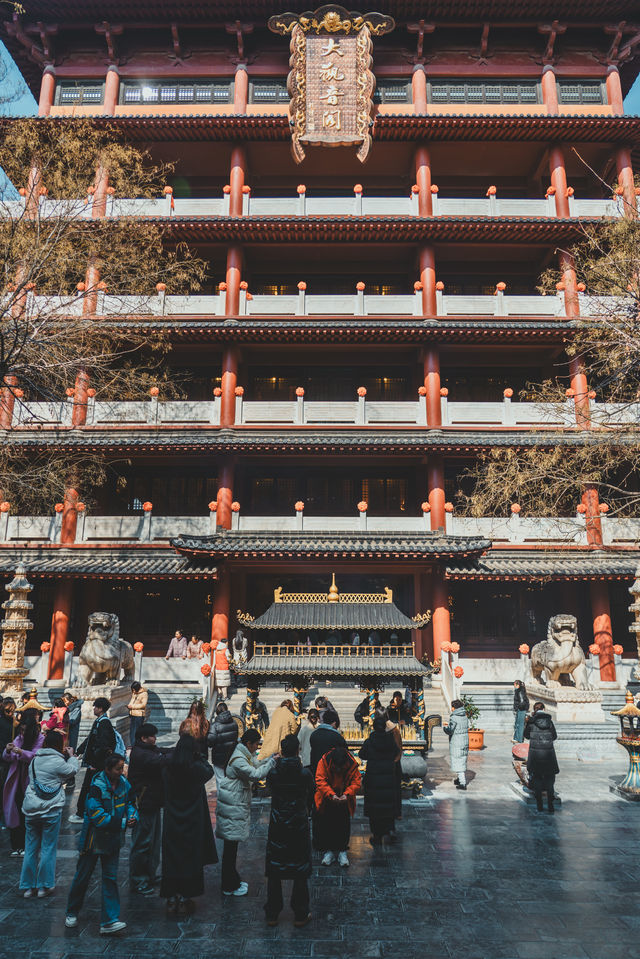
(629, 737)
(331, 84)
(14, 627)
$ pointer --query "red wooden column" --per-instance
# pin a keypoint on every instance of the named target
(427, 263)
(69, 517)
(435, 482)
(423, 181)
(62, 605)
(558, 174)
(592, 516)
(419, 89)
(8, 401)
(550, 90)
(221, 605)
(241, 89)
(234, 274)
(440, 613)
(225, 493)
(47, 91)
(432, 385)
(602, 631)
(237, 179)
(626, 182)
(614, 91)
(229, 383)
(111, 91)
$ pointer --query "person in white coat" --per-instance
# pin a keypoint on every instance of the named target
(458, 732)
(233, 812)
(43, 803)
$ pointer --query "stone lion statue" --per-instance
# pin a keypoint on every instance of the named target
(104, 654)
(560, 654)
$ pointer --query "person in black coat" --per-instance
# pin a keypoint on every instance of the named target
(381, 753)
(520, 709)
(99, 744)
(223, 739)
(542, 764)
(324, 738)
(146, 763)
(361, 715)
(7, 710)
(261, 712)
(289, 839)
(398, 711)
(187, 835)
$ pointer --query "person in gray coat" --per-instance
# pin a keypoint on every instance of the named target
(458, 732)
(233, 811)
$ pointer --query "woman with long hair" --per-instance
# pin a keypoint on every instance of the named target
(520, 710)
(283, 723)
(337, 782)
(187, 835)
(42, 808)
(19, 754)
(197, 725)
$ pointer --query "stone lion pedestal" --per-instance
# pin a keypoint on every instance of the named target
(566, 704)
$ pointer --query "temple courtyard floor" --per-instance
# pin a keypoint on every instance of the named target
(475, 874)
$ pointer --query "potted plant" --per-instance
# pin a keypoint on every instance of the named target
(476, 736)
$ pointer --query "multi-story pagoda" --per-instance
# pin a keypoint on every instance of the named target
(372, 324)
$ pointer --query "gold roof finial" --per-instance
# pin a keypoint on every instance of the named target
(334, 596)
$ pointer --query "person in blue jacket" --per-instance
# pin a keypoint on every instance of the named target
(109, 810)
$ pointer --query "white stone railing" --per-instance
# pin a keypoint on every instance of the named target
(358, 303)
(358, 205)
(147, 527)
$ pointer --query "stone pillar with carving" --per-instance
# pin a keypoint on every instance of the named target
(14, 628)
(634, 681)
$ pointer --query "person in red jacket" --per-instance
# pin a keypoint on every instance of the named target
(337, 782)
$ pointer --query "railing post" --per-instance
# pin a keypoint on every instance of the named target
(444, 406)
(153, 408)
(299, 414)
(302, 199)
(359, 310)
(4, 521)
(213, 524)
(361, 415)
(56, 527)
(145, 525)
(500, 309)
(508, 416)
(246, 200)
(357, 200)
(302, 299)
(239, 391)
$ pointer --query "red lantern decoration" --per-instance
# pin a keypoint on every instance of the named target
(524, 649)
(594, 649)
(5, 506)
(206, 648)
(439, 285)
(154, 391)
(422, 391)
(45, 647)
(357, 188)
(213, 506)
(362, 391)
(501, 287)
(138, 647)
(582, 508)
(235, 507)
(425, 507)
(492, 191)
(70, 391)
(448, 507)
(458, 672)
(360, 286)
(446, 647)
(147, 507)
(68, 646)
(91, 392)
(161, 287)
(246, 189)
(515, 508)
(299, 506)
(302, 285)
(618, 650)
(434, 187)
(363, 506)
(301, 189)
(58, 507)
(217, 391)
(455, 647)
(239, 391)
(299, 390)
(444, 391)
(81, 507)
(205, 669)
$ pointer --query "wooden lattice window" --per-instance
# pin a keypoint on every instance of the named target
(484, 91)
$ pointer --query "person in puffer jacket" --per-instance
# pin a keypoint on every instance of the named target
(542, 764)
(233, 812)
(223, 739)
(42, 807)
(108, 811)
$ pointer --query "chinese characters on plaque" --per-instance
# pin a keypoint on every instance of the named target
(331, 83)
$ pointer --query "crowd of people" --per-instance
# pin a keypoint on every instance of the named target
(159, 793)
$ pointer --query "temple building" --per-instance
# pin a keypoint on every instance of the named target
(371, 321)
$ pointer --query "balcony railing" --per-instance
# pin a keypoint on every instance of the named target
(301, 303)
(359, 205)
(302, 412)
(147, 527)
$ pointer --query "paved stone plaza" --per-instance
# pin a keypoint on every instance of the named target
(474, 874)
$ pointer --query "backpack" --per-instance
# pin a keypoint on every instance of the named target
(120, 747)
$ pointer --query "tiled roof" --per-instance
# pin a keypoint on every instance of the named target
(232, 544)
(332, 616)
(379, 229)
(104, 563)
(340, 667)
(573, 564)
(292, 440)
